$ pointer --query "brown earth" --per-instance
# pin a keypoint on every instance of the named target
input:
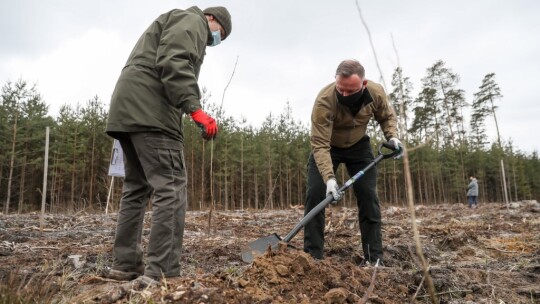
(485, 255)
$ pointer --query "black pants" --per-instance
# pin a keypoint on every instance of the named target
(355, 159)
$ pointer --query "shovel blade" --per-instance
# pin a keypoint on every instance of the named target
(259, 247)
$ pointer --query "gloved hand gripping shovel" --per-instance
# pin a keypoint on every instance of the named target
(259, 246)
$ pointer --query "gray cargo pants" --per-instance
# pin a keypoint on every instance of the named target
(154, 164)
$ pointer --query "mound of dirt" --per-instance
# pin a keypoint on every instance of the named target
(294, 276)
(282, 276)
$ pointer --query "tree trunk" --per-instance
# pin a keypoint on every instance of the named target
(269, 170)
(496, 123)
(433, 189)
(191, 182)
(241, 171)
(232, 191)
(226, 172)
(91, 191)
(21, 186)
(442, 187)
(288, 183)
(11, 165)
(280, 203)
(1, 171)
(73, 170)
(256, 189)
(419, 184)
(384, 183)
(202, 177)
(515, 183)
(395, 183)
(299, 191)
(52, 189)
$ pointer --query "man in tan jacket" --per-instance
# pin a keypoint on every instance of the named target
(339, 120)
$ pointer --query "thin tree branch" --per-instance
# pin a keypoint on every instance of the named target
(418, 244)
(212, 201)
(371, 43)
(419, 286)
(228, 83)
(369, 291)
(408, 179)
(395, 49)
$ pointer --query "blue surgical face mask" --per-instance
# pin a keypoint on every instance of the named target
(216, 36)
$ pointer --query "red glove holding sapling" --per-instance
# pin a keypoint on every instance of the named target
(206, 123)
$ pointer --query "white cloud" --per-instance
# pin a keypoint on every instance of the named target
(76, 70)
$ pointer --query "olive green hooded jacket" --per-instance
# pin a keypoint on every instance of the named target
(159, 81)
(333, 124)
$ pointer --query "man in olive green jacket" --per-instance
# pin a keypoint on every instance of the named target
(157, 86)
(339, 120)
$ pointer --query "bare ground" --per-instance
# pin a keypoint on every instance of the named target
(485, 255)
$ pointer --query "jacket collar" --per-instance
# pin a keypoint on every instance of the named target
(198, 11)
(366, 97)
(364, 100)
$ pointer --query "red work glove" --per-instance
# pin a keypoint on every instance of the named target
(206, 123)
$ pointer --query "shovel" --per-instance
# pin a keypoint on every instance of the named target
(259, 246)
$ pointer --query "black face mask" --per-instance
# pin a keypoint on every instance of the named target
(353, 100)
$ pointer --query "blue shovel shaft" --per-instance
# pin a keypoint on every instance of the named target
(311, 214)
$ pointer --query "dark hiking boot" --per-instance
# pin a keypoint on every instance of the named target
(121, 275)
(145, 281)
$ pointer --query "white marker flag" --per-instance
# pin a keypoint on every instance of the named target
(116, 167)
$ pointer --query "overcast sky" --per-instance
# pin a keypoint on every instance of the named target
(286, 50)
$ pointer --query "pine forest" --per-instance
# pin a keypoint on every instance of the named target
(264, 166)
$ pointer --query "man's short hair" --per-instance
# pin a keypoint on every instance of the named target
(349, 67)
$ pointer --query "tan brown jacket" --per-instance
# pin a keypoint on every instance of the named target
(333, 124)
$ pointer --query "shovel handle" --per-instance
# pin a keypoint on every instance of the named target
(377, 159)
(329, 198)
(311, 214)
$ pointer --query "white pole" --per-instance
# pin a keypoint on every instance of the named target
(44, 191)
(116, 168)
(504, 185)
(109, 196)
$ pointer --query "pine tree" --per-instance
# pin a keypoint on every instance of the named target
(448, 100)
(401, 95)
(484, 101)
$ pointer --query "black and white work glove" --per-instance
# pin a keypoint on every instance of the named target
(332, 188)
(397, 144)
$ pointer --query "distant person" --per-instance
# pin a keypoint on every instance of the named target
(339, 120)
(472, 192)
(157, 86)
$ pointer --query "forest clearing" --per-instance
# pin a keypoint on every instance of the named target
(132, 173)
(485, 255)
